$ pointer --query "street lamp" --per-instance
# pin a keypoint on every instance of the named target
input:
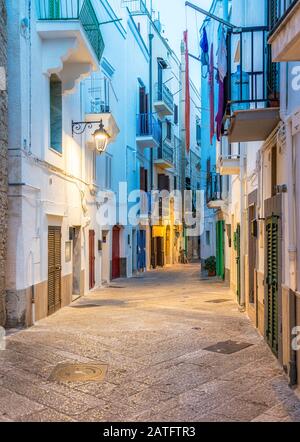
(101, 138)
(100, 135)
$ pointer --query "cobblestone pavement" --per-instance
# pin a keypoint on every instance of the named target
(152, 332)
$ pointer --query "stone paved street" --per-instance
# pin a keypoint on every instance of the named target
(151, 331)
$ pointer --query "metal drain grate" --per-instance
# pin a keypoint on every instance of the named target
(228, 347)
(78, 373)
(115, 287)
(217, 301)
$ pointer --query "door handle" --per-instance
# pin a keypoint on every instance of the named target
(57, 267)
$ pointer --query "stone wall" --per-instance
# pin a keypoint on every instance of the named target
(3, 158)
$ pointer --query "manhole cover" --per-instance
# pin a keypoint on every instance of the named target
(228, 347)
(218, 301)
(78, 372)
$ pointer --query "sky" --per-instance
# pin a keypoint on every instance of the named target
(175, 19)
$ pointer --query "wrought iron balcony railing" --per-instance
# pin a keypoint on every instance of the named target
(166, 152)
(253, 80)
(82, 10)
(163, 93)
(213, 187)
(278, 10)
(135, 6)
(148, 126)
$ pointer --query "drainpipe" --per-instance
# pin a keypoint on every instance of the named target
(291, 161)
(182, 134)
(243, 242)
(151, 37)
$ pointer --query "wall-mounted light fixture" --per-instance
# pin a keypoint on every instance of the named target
(100, 135)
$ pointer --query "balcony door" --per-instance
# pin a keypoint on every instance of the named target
(54, 269)
(144, 111)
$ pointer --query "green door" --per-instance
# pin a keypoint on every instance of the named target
(220, 249)
(54, 9)
(237, 246)
(272, 230)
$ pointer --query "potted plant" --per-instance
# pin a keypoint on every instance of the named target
(211, 266)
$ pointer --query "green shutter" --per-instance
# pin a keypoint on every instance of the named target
(55, 113)
(54, 9)
(237, 240)
(220, 249)
(272, 230)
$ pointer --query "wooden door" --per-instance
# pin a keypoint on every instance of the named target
(116, 253)
(92, 259)
(54, 269)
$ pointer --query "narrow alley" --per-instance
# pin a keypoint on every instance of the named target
(156, 339)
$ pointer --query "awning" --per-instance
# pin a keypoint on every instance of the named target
(253, 124)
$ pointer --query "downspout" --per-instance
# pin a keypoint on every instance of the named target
(151, 37)
(243, 241)
(292, 249)
(292, 246)
(183, 137)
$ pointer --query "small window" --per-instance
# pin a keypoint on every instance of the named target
(169, 131)
(198, 133)
(55, 113)
(207, 237)
(175, 114)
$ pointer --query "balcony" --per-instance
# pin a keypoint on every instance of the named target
(285, 32)
(214, 191)
(148, 132)
(163, 101)
(97, 107)
(252, 100)
(165, 155)
(229, 165)
(71, 38)
(135, 7)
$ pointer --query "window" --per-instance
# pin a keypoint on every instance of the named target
(55, 113)
(169, 131)
(175, 114)
(198, 133)
(108, 161)
(207, 237)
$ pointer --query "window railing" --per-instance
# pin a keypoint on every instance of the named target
(97, 93)
(278, 10)
(253, 80)
(135, 6)
(166, 152)
(214, 187)
(148, 126)
(82, 10)
(164, 94)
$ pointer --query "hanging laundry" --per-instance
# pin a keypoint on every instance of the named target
(212, 94)
(204, 49)
(221, 75)
(222, 56)
(187, 94)
(220, 114)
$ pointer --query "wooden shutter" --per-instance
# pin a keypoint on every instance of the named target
(54, 9)
(54, 269)
(272, 230)
(56, 113)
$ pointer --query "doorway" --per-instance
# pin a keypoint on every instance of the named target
(116, 253)
(92, 258)
(76, 264)
(54, 269)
